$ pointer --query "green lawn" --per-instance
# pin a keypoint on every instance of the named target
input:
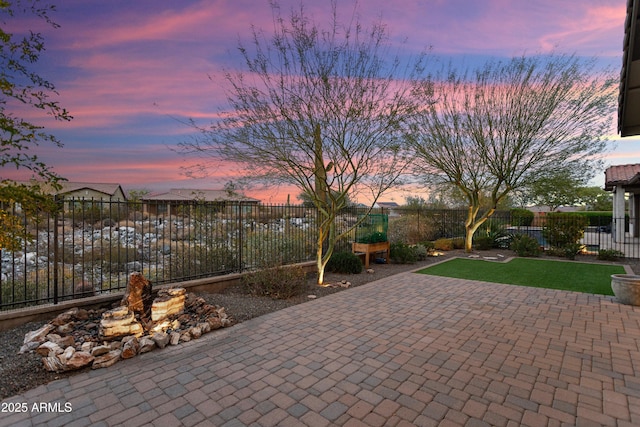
(565, 275)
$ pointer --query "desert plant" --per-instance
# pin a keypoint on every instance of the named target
(402, 253)
(609, 255)
(443, 245)
(525, 245)
(483, 243)
(279, 282)
(562, 229)
(421, 252)
(458, 242)
(344, 262)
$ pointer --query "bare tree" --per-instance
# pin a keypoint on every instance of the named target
(323, 109)
(510, 123)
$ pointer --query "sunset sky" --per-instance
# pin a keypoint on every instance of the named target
(131, 72)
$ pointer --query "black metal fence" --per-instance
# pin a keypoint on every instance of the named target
(91, 246)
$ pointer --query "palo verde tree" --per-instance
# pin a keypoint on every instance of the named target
(509, 123)
(323, 109)
(23, 88)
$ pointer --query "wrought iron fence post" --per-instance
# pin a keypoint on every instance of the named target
(56, 255)
(240, 238)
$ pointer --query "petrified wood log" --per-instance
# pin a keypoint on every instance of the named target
(138, 296)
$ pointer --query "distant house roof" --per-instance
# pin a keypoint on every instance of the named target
(629, 94)
(109, 189)
(624, 175)
(190, 194)
(67, 187)
(387, 205)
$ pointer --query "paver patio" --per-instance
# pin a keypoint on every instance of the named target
(406, 350)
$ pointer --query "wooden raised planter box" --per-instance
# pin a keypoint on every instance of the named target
(367, 249)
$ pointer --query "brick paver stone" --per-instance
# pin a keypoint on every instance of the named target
(410, 349)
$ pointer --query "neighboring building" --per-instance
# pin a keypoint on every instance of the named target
(629, 96)
(388, 207)
(91, 191)
(78, 193)
(167, 203)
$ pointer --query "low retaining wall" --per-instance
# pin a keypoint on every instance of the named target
(12, 318)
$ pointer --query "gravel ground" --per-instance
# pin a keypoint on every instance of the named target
(22, 372)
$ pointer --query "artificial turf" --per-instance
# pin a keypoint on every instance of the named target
(565, 275)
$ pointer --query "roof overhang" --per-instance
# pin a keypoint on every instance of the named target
(629, 96)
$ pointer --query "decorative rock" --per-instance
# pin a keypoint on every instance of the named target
(215, 323)
(312, 296)
(106, 360)
(30, 346)
(119, 322)
(146, 345)
(49, 349)
(62, 341)
(168, 302)
(195, 332)
(175, 338)
(88, 346)
(205, 327)
(161, 339)
(130, 348)
(68, 353)
(100, 350)
(53, 364)
(67, 328)
(115, 345)
(80, 359)
(370, 270)
(39, 334)
(62, 319)
(185, 337)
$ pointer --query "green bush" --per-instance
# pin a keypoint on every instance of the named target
(483, 243)
(421, 252)
(563, 229)
(609, 255)
(525, 245)
(429, 246)
(403, 253)
(521, 217)
(344, 262)
(280, 282)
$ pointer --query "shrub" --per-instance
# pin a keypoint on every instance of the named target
(421, 252)
(443, 245)
(344, 262)
(457, 242)
(571, 250)
(403, 253)
(521, 217)
(483, 243)
(279, 282)
(609, 255)
(429, 246)
(525, 245)
(411, 228)
(562, 229)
